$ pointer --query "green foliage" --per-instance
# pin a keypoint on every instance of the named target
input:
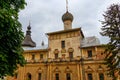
(111, 29)
(11, 36)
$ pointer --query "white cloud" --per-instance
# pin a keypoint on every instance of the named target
(45, 16)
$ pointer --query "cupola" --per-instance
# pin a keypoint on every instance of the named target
(28, 42)
(67, 18)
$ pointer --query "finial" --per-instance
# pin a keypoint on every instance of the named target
(66, 5)
(29, 23)
(29, 27)
(28, 32)
(42, 43)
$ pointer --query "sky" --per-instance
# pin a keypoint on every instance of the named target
(45, 16)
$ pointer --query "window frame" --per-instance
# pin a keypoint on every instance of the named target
(71, 55)
(41, 56)
(68, 76)
(39, 76)
(63, 44)
(56, 55)
(29, 76)
(33, 57)
(102, 76)
(57, 76)
(90, 54)
(90, 76)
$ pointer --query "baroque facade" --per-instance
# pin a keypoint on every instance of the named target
(69, 55)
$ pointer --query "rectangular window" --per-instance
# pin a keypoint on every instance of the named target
(41, 56)
(89, 53)
(39, 76)
(71, 55)
(101, 76)
(57, 76)
(56, 56)
(33, 57)
(68, 76)
(90, 76)
(62, 44)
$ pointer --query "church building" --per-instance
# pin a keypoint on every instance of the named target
(69, 55)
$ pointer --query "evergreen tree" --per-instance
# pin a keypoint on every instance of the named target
(11, 36)
(111, 29)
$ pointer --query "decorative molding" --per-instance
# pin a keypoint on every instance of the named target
(70, 50)
(39, 70)
(89, 69)
(49, 49)
(100, 69)
(63, 50)
(67, 70)
(56, 51)
(63, 56)
(56, 70)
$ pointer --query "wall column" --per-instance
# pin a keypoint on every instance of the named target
(78, 68)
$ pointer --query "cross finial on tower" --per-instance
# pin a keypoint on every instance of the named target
(29, 26)
(29, 22)
(66, 5)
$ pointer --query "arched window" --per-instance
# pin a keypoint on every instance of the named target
(29, 77)
(33, 56)
(90, 76)
(39, 76)
(56, 56)
(56, 52)
(68, 77)
(101, 76)
(71, 55)
(70, 50)
(56, 76)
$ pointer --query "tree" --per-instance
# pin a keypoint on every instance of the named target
(11, 36)
(111, 29)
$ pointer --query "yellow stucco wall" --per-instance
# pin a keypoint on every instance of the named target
(49, 66)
